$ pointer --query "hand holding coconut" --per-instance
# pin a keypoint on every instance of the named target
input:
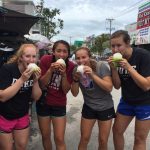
(33, 67)
(59, 65)
(36, 71)
(80, 69)
(61, 61)
(117, 57)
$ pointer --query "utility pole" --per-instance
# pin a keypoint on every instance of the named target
(110, 20)
(70, 39)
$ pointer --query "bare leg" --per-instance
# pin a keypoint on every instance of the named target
(86, 129)
(59, 125)
(120, 125)
(142, 129)
(104, 131)
(45, 128)
(21, 138)
(6, 141)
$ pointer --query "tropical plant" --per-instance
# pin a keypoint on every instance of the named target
(50, 23)
(101, 42)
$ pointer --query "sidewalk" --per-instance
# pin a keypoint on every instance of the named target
(73, 128)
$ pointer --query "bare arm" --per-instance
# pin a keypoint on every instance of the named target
(115, 79)
(44, 80)
(105, 83)
(142, 82)
(12, 90)
(115, 76)
(75, 88)
(75, 84)
(36, 90)
(65, 84)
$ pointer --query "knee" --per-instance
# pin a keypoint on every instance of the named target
(102, 142)
(85, 139)
(116, 130)
(59, 140)
(21, 146)
(139, 138)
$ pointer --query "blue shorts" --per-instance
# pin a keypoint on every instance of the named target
(141, 112)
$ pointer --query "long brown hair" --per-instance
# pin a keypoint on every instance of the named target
(16, 57)
(92, 61)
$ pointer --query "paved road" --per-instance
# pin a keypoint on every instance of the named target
(73, 128)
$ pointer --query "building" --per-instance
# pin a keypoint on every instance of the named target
(140, 31)
(23, 6)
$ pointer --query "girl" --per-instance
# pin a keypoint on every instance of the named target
(56, 78)
(17, 86)
(96, 85)
(133, 76)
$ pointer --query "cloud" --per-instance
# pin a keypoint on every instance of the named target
(87, 17)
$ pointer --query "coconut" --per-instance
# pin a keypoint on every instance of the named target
(61, 61)
(117, 57)
(80, 69)
(33, 67)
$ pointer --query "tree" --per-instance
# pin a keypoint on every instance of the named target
(50, 26)
(101, 42)
(73, 48)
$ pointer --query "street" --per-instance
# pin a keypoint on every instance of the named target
(73, 128)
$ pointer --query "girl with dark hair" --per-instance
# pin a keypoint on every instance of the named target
(96, 85)
(56, 78)
(18, 84)
(133, 76)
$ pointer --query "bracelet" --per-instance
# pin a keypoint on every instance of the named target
(75, 81)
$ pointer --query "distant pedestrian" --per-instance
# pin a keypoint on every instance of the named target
(96, 84)
(56, 79)
(133, 76)
(17, 85)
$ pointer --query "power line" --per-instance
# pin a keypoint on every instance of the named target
(129, 9)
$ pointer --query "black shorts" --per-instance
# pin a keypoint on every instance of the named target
(89, 113)
(44, 110)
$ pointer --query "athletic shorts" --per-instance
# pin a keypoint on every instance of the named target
(141, 112)
(7, 126)
(89, 113)
(45, 110)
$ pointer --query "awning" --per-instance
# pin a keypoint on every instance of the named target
(15, 24)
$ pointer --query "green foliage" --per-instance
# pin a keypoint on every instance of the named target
(50, 24)
(73, 48)
(101, 42)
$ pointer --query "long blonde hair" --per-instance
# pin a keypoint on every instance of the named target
(92, 61)
(16, 57)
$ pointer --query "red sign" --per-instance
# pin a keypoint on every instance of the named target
(143, 19)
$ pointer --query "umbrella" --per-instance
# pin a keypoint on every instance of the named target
(38, 38)
(42, 45)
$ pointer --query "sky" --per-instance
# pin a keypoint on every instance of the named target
(83, 18)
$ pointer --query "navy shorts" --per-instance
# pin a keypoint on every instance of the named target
(45, 110)
(89, 113)
(141, 112)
